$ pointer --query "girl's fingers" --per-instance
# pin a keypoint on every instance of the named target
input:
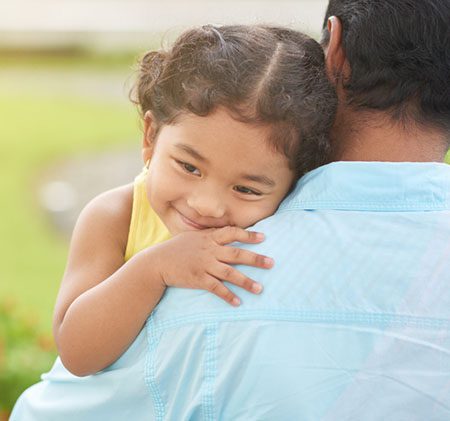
(232, 275)
(237, 256)
(216, 287)
(231, 234)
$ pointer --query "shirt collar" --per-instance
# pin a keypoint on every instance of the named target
(373, 186)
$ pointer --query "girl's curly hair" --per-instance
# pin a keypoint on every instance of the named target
(261, 75)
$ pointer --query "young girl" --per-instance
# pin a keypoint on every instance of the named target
(232, 117)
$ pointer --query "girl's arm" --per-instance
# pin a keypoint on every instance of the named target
(104, 302)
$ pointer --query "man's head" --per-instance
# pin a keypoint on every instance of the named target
(395, 58)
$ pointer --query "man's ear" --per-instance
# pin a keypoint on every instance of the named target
(338, 68)
(148, 141)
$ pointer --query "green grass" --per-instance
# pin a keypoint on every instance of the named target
(34, 132)
(71, 59)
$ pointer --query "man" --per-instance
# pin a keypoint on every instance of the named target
(354, 321)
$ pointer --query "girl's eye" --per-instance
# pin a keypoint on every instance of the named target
(189, 168)
(246, 190)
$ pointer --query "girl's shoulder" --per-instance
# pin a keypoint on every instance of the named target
(114, 203)
(109, 215)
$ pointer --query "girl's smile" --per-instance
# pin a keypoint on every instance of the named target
(189, 222)
(213, 171)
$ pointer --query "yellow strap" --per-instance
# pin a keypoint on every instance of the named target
(146, 229)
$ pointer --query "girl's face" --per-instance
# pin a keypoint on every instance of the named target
(213, 171)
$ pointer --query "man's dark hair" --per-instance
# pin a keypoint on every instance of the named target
(399, 54)
(262, 75)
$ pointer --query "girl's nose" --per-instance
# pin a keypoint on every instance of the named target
(207, 205)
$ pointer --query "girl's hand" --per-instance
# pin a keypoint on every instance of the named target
(202, 259)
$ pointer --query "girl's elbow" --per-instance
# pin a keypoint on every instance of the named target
(74, 359)
(75, 366)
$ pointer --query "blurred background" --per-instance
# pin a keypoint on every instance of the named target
(69, 132)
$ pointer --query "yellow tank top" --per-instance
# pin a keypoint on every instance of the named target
(146, 229)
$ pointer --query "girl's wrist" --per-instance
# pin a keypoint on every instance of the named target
(152, 265)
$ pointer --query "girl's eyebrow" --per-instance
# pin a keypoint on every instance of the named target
(191, 151)
(262, 179)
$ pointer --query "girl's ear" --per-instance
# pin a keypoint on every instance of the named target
(148, 142)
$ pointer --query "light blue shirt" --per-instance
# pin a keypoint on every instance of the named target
(353, 323)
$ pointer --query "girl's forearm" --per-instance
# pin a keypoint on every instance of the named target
(102, 322)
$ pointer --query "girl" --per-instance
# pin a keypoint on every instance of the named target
(233, 116)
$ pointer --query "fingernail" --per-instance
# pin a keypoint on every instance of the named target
(268, 261)
(235, 301)
(259, 236)
(257, 288)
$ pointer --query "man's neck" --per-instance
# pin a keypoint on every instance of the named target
(373, 137)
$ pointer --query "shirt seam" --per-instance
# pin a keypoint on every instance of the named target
(363, 207)
(153, 338)
(209, 372)
(342, 318)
